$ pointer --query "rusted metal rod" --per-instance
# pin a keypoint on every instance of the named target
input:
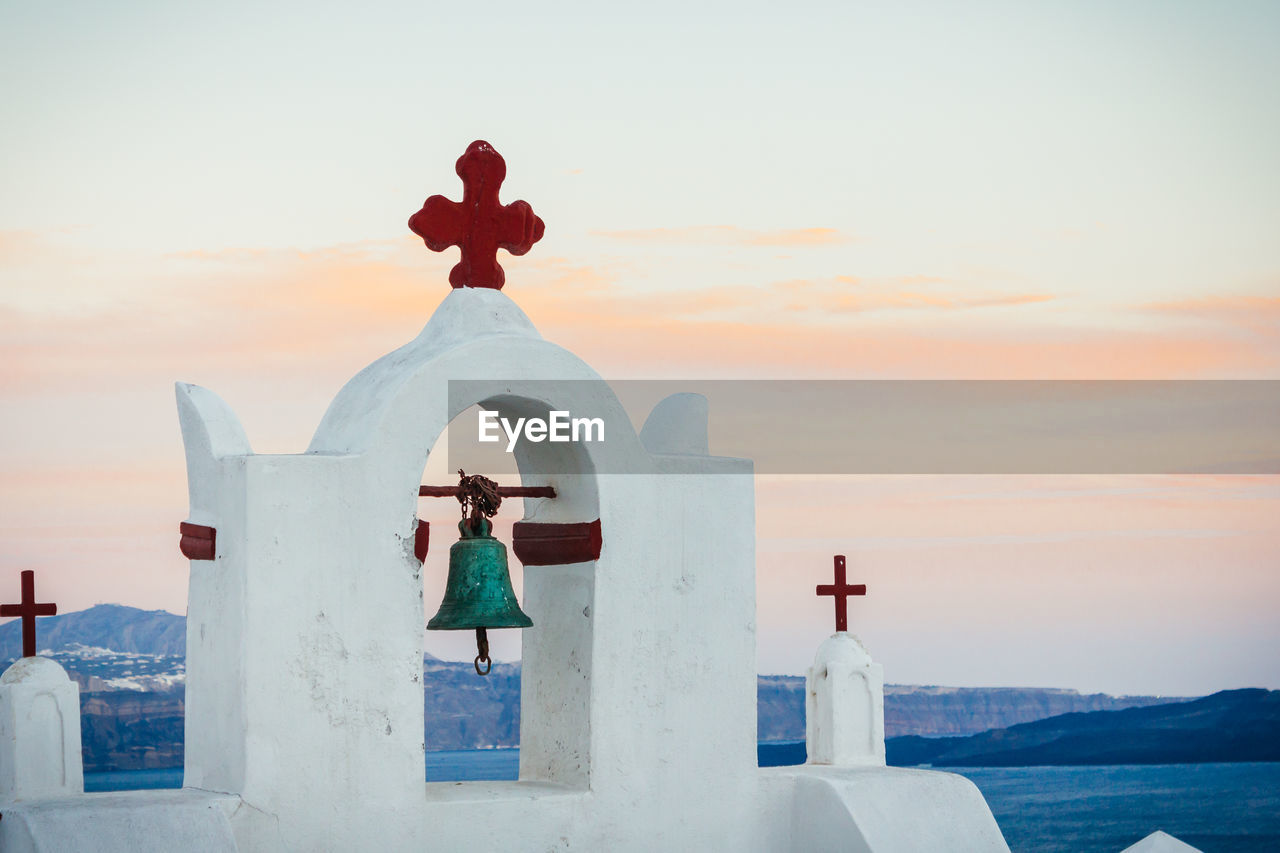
(503, 491)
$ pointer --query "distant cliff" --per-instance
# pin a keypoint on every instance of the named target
(107, 626)
(124, 730)
(130, 665)
(933, 711)
(1234, 725)
(466, 711)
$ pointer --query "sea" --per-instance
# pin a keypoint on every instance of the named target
(1232, 808)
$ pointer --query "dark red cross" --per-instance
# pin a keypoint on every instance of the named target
(841, 592)
(480, 224)
(28, 610)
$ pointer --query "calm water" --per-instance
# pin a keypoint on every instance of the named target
(467, 765)
(1216, 807)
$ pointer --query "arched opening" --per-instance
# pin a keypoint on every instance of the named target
(536, 694)
(472, 729)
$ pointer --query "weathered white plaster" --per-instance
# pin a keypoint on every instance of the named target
(1160, 842)
(135, 821)
(39, 731)
(217, 449)
(677, 426)
(844, 705)
(889, 810)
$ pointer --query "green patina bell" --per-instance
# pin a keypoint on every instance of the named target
(478, 593)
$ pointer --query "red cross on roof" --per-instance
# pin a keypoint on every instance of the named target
(841, 592)
(480, 224)
(28, 610)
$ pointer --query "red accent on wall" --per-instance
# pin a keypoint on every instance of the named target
(480, 224)
(538, 544)
(198, 541)
(421, 539)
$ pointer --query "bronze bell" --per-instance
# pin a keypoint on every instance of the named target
(478, 593)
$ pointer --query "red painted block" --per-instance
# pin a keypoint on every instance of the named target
(198, 541)
(538, 544)
(421, 540)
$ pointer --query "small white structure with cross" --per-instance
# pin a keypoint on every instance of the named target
(844, 705)
(305, 720)
(844, 690)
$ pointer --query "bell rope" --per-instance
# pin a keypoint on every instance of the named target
(478, 496)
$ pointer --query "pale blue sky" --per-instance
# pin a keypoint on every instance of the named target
(957, 132)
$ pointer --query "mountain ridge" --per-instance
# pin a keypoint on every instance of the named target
(1228, 726)
(118, 627)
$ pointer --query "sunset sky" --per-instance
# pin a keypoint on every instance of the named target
(217, 193)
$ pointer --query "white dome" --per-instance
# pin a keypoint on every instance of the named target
(841, 648)
(35, 671)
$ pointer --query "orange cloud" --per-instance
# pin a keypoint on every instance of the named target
(1219, 305)
(1257, 315)
(679, 333)
(800, 237)
(851, 294)
(853, 302)
(898, 280)
(776, 350)
(316, 317)
(19, 246)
